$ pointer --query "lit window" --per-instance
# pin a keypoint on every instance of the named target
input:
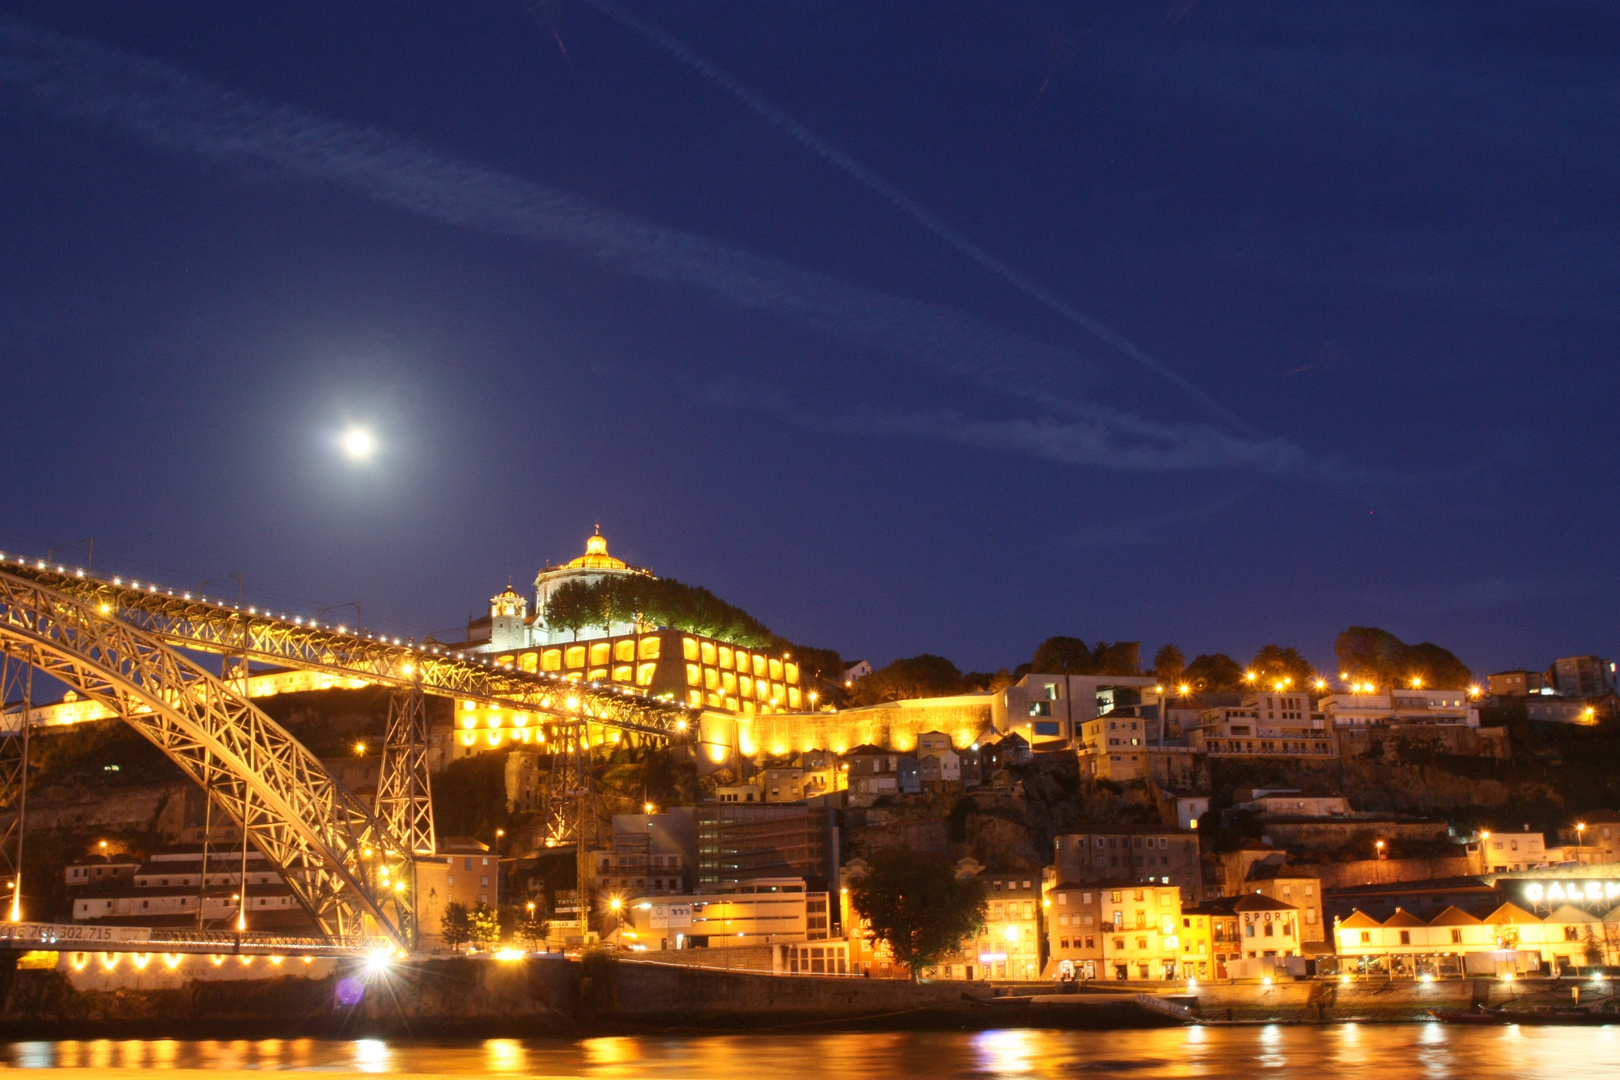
(728, 682)
(623, 673)
(600, 653)
(759, 667)
(575, 656)
(747, 686)
(648, 649)
(711, 679)
(689, 648)
(776, 668)
(644, 674)
(709, 655)
(624, 650)
(528, 661)
(791, 672)
(551, 660)
(694, 698)
(694, 675)
(597, 673)
(726, 655)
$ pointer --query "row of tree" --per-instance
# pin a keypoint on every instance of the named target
(481, 925)
(1365, 654)
(639, 598)
(629, 598)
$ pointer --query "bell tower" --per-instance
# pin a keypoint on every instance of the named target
(508, 619)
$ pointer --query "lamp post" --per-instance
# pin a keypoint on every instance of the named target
(1580, 840)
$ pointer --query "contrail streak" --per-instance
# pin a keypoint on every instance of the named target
(171, 109)
(870, 180)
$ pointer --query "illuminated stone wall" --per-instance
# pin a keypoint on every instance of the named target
(892, 725)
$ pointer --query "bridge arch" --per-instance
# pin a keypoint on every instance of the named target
(341, 864)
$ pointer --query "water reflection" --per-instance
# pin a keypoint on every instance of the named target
(371, 1055)
(504, 1055)
(1376, 1052)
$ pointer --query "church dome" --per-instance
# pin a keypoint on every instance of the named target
(596, 556)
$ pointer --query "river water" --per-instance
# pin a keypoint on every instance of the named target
(1381, 1051)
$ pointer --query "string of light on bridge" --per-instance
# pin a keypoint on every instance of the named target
(152, 588)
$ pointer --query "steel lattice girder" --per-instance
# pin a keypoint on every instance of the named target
(404, 794)
(310, 827)
(194, 623)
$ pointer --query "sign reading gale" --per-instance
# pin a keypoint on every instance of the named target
(1572, 892)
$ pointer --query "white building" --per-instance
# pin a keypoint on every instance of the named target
(1506, 852)
(1276, 724)
(1396, 706)
(1049, 711)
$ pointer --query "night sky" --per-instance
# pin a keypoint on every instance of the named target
(936, 327)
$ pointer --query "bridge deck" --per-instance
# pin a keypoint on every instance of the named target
(80, 937)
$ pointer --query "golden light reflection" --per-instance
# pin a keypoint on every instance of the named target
(505, 1055)
(612, 1051)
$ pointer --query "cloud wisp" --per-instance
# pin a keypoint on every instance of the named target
(933, 223)
(168, 108)
(1104, 440)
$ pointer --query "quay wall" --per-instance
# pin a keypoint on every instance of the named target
(540, 997)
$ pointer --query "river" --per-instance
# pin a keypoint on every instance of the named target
(1381, 1051)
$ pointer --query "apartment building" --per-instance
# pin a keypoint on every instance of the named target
(1277, 724)
(1144, 854)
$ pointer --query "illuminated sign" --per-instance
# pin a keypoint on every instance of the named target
(1576, 892)
(992, 957)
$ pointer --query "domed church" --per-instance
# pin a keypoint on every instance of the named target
(511, 625)
(698, 671)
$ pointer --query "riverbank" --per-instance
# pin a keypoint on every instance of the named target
(544, 997)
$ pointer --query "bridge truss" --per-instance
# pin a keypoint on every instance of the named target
(120, 645)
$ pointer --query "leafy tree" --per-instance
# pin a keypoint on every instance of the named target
(1062, 656)
(1213, 673)
(533, 926)
(623, 598)
(915, 904)
(469, 797)
(1274, 664)
(483, 926)
(1368, 654)
(914, 677)
(1117, 658)
(985, 680)
(455, 925)
(1169, 664)
(1071, 656)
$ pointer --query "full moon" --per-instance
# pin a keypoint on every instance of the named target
(358, 443)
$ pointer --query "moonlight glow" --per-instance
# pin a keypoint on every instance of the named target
(358, 443)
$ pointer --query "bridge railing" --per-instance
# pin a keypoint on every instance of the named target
(81, 937)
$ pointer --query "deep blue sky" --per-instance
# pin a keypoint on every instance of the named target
(1375, 242)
